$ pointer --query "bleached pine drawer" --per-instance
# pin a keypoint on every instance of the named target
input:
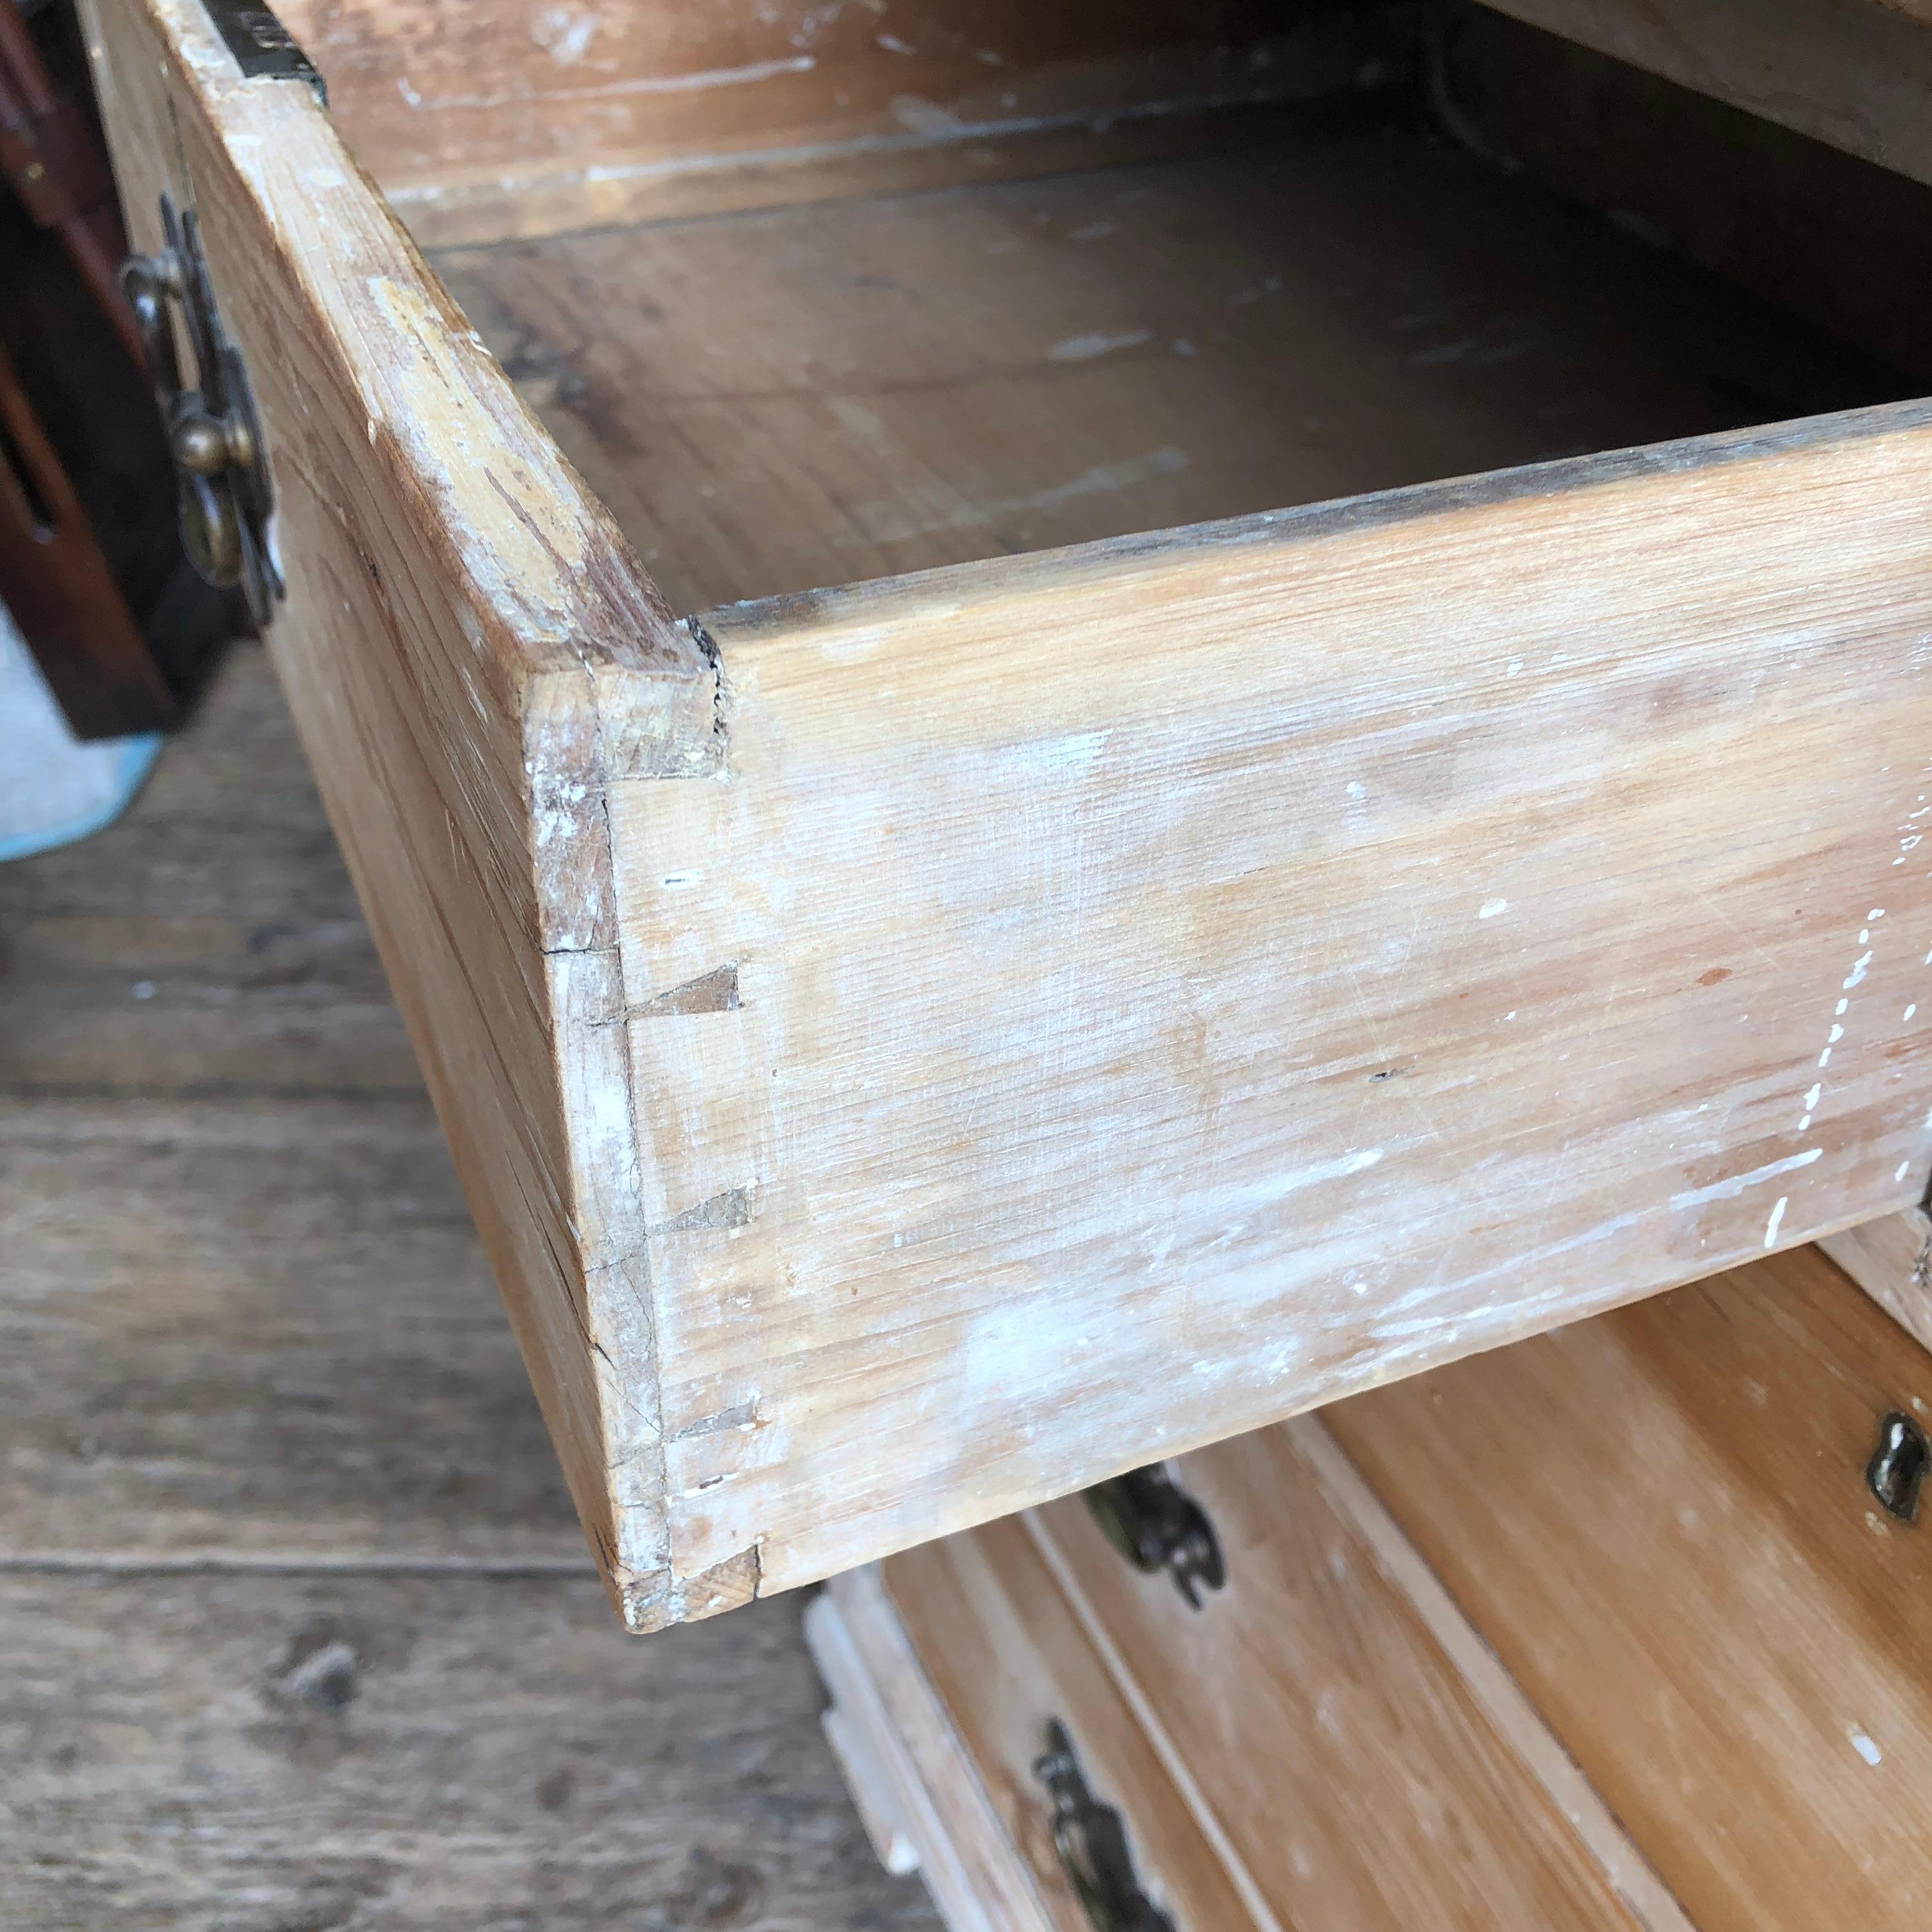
(916, 1048)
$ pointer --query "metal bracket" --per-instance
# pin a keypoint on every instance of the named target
(1155, 1525)
(264, 48)
(1092, 1843)
(225, 495)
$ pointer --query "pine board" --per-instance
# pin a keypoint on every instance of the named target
(1659, 1521)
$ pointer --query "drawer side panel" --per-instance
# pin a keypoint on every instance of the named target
(459, 612)
(1182, 982)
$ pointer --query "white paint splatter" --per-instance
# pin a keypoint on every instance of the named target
(1864, 1746)
(1490, 907)
(1084, 348)
(565, 36)
(1726, 1190)
(1074, 752)
(1777, 1216)
(1228, 1203)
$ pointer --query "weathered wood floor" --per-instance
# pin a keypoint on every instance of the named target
(296, 1629)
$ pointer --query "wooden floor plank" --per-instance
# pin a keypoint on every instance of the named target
(258, 1328)
(198, 1754)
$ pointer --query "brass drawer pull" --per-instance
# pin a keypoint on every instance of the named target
(1155, 1525)
(1092, 1843)
(224, 494)
(1896, 1470)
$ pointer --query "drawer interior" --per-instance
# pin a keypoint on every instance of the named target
(779, 399)
(1317, 298)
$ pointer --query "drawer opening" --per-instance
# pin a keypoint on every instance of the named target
(1463, 256)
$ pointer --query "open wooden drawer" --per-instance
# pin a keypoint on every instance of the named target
(916, 1048)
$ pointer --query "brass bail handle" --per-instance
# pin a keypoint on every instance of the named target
(223, 486)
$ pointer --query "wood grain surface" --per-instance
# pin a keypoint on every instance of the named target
(213, 945)
(1851, 72)
(1321, 1729)
(883, 404)
(788, 400)
(485, 119)
(1659, 1521)
(878, 1030)
(297, 1628)
(1816, 230)
(886, 1713)
(1183, 1028)
(192, 1361)
(1891, 1259)
(190, 1753)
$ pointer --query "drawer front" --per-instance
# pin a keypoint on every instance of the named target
(1606, 1628)
(1661, 1522)
(915, 1050)
(1339, 1720)
(1317, 1744)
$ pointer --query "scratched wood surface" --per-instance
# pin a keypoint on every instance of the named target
(771, 1074)
(1185, 1026)
(488, 119)
(814, 395)
(1659, 1521)
(296, 1625)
